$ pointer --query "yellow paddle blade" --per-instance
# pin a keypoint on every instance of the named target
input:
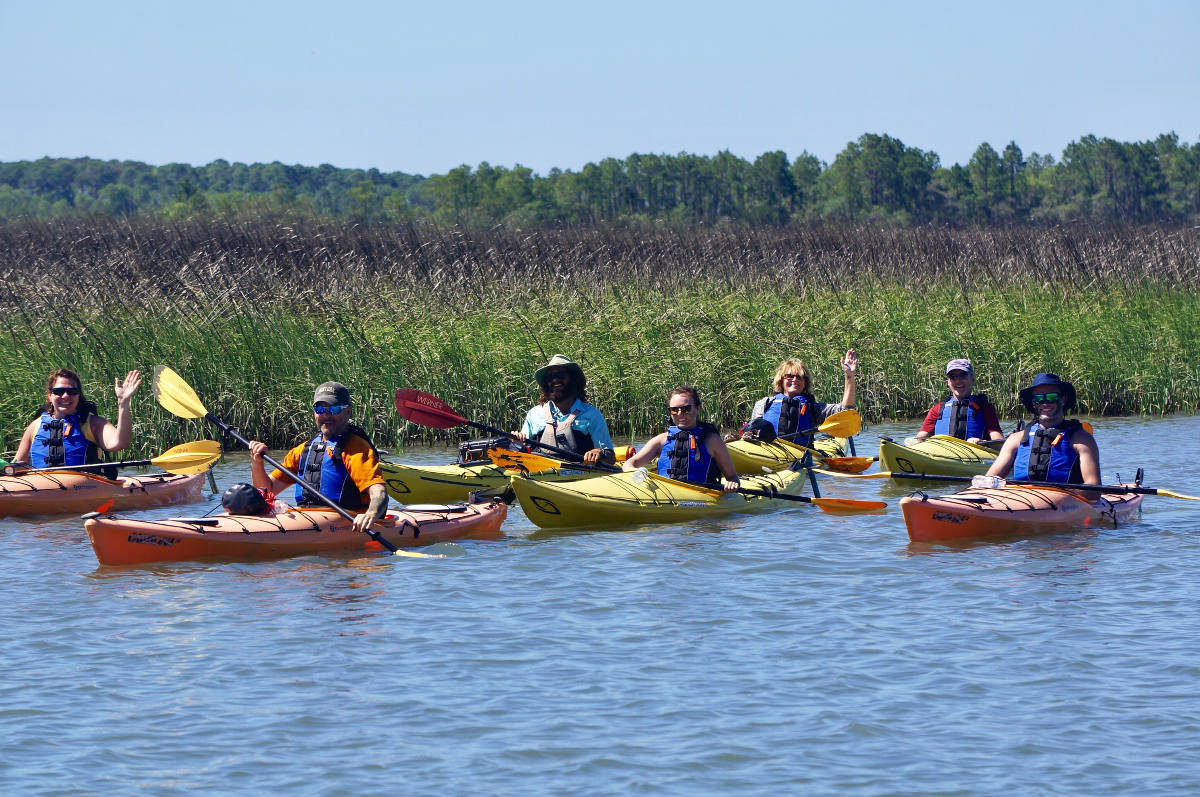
(883, 474)
(981, 451)
(175, 395)
(417, 554)
(1161, 491)
(521, 460)
(189, 458)
(846, 423)
(849, 464)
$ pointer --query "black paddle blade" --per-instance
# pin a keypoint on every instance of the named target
(426, 410)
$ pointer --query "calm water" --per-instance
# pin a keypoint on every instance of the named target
(792, 651)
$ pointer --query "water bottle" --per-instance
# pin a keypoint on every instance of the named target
(992, 482)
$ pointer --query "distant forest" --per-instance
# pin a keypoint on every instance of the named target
(876, 179)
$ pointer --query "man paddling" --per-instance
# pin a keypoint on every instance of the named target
(563, 418)
(339, 461)
(965, 414)
(1051, 449)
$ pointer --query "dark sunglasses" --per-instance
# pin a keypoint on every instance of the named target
(333, 409)
(65, 391)
(681, 408)
(564, 375)
(1039, 398)
(957, 375)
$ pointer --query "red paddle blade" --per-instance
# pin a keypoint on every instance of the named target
(426, 410)
(105, 507)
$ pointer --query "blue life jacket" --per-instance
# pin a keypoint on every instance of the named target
(790, 415)
(685, 457)
(321, 467)
(962, 418)
(1046, 455)
(62, 442)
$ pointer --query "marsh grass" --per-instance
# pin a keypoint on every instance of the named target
(255, 314)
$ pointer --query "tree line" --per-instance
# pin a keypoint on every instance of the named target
(875, 179)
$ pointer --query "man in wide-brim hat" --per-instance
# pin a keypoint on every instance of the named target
(1052, 448)
(563, 418)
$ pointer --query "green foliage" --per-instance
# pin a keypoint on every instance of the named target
(253, 314)
(875, 179)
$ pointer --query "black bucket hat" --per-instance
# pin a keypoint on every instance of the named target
(1046, 380)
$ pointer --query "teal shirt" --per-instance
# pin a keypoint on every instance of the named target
(587, 420)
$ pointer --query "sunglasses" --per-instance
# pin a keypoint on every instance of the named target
(682, 408)
(333, 409)
(957, 375)
(65, 391)
(557, 375)
(792, 377)
(1042, 398)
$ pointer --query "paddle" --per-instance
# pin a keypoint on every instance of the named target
(426, 410)
(1103, 488)
(183, 459)
(536, 462)
(846, 423)
(848, 464)
(177, 397)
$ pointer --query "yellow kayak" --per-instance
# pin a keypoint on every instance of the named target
(635, 497)
(941, 455)
(442, 484)
(754, 457)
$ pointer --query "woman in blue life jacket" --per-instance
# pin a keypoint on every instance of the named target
(792, 408)
(68, 432)
(1052, 448)
(689, 450)
(965, 414)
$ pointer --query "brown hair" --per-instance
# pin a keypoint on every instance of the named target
(83, 408)
(786, 366)
(683, 390)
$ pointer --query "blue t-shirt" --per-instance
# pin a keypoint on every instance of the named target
(587, 420)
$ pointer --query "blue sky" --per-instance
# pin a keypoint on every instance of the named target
(423, 87)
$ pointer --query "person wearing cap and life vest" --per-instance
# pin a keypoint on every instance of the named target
(1052, 448)
(689, 450)
(793, 408)
(340, 461)
(67, 431)
(563, 418)
(964, 414)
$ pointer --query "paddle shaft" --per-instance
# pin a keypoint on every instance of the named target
(127, 463)
(229, 430)
(1110, 488)
(574, 458)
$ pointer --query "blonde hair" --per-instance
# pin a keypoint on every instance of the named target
(792, 365)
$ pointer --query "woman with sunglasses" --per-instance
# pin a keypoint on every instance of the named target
(793, 408)
(1051, 449)
(67, 431)
(689, 450)
(340, 461)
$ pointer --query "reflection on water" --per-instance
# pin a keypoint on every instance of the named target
(788, 651)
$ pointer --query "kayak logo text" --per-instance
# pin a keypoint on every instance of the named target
(949, 517)
(150, 539)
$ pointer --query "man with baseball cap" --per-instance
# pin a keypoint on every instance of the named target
(340, 461)
(965, 415)
(563, 418)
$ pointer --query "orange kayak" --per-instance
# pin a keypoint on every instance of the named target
(1012, 510)
(128, 541)
(64, 492)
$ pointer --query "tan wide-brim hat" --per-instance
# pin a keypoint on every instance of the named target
(560, 361)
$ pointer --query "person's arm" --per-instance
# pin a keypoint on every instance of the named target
(720, 454)
(1089, 456)
(849, 366)
(1004, 460)
(526, 431)
(375, 509)
(991, 422)
(26, 443)
(362, 464)
(116, 438)
(598, 429)
(258, 472)
(646, 453)
(760, 407)
(931, 419)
